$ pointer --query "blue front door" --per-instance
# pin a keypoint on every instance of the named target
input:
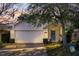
(53, 36)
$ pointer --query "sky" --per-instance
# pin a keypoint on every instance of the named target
(21, 7)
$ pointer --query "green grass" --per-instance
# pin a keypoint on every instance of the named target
(54, 50)
(1, 45)
(58, 50)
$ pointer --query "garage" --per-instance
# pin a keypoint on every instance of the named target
(29, 36)
(26, 33)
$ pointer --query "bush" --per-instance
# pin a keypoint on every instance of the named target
(1, 45)
(12, 40)
(77, 45)
(45, 41)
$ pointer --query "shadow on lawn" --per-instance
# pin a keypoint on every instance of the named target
(60, 51)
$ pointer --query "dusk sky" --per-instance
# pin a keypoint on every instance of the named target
(21, 7)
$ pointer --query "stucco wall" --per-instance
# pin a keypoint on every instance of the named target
(26, 33)
(29, 36)
(12, 34)
(58, 31)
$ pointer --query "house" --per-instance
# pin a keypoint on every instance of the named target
(24, 32)
(27, 33)
(75, 35)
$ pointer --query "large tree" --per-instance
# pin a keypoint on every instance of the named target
(40, 14)
(5, 7)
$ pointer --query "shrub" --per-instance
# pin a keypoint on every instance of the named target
(12, 40)
(1, 45)
(45, 41)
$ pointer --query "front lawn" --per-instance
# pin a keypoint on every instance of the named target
(59, 50)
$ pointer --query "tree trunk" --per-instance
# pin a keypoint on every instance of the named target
(0, 38)
(65, 44)
(0, 41)
(64, 36)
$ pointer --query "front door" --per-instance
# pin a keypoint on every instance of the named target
(53, 36)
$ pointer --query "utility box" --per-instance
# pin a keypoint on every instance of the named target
(72, 48)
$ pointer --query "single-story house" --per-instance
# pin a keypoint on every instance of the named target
(26, 33)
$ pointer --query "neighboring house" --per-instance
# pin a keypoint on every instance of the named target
(75, 34)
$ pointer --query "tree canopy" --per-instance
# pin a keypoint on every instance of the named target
(7, 13)
(41, 13)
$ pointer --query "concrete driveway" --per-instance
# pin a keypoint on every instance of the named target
(24, 51)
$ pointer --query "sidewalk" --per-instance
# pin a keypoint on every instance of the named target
(36, 51)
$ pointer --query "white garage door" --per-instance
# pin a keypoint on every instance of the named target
(28, 36)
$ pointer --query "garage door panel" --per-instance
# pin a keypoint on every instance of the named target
(29, 36)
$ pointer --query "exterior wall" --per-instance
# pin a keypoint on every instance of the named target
(60, 35)
(26, 33)
(29, 36)
(45, 33)
(58, 31)
(75, 34)
(12, 34)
